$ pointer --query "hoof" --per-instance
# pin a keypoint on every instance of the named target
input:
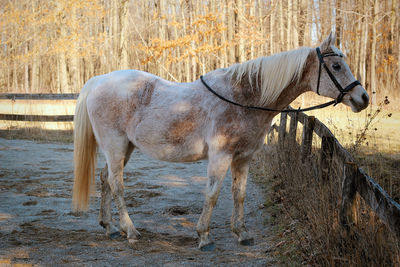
(208, 247)
(111, 231)
(133, 241)
(133, 238)
(136, 236)
(247, 242)
(114, 235)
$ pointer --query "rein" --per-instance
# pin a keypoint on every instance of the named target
(321, 63)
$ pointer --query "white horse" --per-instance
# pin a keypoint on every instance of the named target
(185, 122)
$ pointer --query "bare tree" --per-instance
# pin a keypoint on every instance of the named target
(57, 46)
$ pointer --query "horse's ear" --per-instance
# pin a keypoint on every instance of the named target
(330, 40)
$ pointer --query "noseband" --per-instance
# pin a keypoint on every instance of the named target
(333, 79)
(321, 63)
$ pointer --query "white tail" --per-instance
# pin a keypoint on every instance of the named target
(84, 154)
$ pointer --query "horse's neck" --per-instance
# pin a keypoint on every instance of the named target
(290, 93)
(245, 94)
(294, 89)
(246, 91)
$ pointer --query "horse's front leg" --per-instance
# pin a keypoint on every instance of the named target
(217, 167)
(240, 170)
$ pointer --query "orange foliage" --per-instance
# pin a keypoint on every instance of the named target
(58, 36)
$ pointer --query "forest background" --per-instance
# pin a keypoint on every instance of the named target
(56, 46)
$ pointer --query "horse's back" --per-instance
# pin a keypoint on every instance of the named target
(120, 82)
(113, 97)
(162, 118)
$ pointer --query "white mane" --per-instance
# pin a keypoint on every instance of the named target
(276, 72)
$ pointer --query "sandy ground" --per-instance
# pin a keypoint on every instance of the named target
(164, 200)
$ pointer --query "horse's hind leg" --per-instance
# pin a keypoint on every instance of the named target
(105, 206)
(117, 152)
(240, 171)
(105, 217)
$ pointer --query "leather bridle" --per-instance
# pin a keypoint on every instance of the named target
(321, 56)
(333, 79)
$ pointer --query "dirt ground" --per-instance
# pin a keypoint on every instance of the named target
(164, 200)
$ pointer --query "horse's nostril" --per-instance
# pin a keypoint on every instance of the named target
(365, 97)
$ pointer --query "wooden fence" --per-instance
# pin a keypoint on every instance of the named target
(42, 118)
(355, 180)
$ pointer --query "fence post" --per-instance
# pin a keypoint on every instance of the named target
(293, 128)
(380, 202)
(282, 128)
(308, 128)
(325, 163)
(348, 211)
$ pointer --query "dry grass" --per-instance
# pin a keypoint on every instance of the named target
(381, 133)
(38, 134)
(305, 215)
(384, 167)
(305, 210)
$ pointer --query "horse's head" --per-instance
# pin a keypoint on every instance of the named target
(334, 79)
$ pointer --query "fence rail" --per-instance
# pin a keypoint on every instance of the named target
(19, 117)
(39, 96)
(355, 180)
(36, 118)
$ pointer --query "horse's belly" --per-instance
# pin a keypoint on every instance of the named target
(190, 150)
(166, 145)
(171, 136)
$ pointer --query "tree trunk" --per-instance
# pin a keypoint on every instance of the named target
(64, 88)
(74, 62)
(162, 35)
(373, 52)
(26, 72)
(15, 77)
(115, 34)
(302, 21)
(224, 42)
(192, 44)
(187, 57)
(289, 25)
(307, 32)
(295, 38)
(240, 51)
(230, 31)
(338, 26)
(272, 40)
(123, 43)
(363, 52)
(179, 69)
(281, 27)
(36, 58)
(63, 74)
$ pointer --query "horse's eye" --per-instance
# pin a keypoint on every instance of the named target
(336, 66)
